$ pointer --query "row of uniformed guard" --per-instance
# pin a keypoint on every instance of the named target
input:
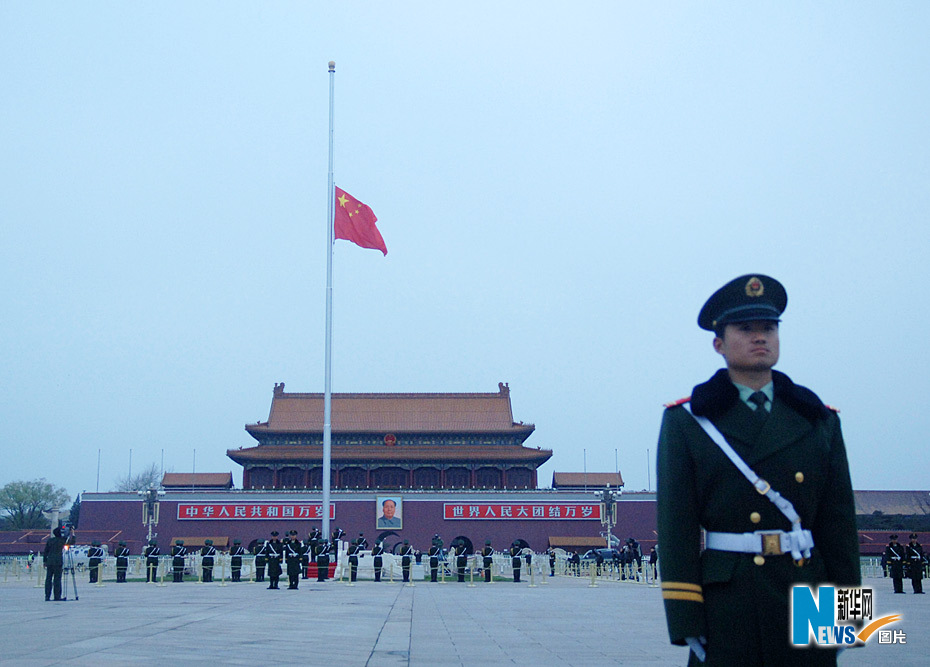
(905, 561)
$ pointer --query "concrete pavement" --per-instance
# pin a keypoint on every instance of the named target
(560, 622)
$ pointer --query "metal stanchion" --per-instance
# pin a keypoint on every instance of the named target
(99, 567)
(38, 568)
(199, 565)
(222, 570)
(252, 575)
(391, 573)
(593, 571)
(532, 572)
(162, 562)
(471, 573)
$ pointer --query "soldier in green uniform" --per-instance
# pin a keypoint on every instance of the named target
(406, 553)
(487, 560)
(151, 553)
(377, 553)
(914, 561)
(178, 552)
(122, 562)
(730, 603)
(207, 556)
(95, 557)
(235, 563)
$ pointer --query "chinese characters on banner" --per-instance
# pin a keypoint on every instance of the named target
(505, 511)
(187, 511)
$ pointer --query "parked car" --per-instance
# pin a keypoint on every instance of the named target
(607, 554)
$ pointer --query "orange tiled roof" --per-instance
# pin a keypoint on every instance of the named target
(393, 413)
(314, 453)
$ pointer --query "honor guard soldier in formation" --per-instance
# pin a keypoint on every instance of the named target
(515, 561)
(377, 553)
(914, 561)
(362, 542)
(435, 550)
(895, 555)
(551, 553)
(207, 556)
(406, 554)
(235, 561)
(274, 553)
(760, 464)
(487, 560)
(293, 557)
(151, 553)
(322, 559)
(461, 560)
(122, 562)
(95, 560)
(261, 561)
(178, 552)
(353, 560)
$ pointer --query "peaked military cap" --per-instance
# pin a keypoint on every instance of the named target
(912, 536)
(237, 541)
(893, 537)
(122, 543)
(208, 541)
(153, 542)
(744, 299)
(274, 533)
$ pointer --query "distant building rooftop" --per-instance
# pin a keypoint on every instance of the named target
(579, 481)
(892, 502)
(198, 481)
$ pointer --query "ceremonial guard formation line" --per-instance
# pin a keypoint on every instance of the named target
(353, 560)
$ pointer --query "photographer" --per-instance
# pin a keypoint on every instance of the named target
(53, 560)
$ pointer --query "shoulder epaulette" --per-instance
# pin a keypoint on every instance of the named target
(831, 408)
(680, 401)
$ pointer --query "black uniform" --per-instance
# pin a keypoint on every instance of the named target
(178, 552)
(895, 554)
(261, 561)
(487, 560)
(275, 554)
(294, 553)
(353, 560)
(551, 562)
(515, 561)
(377, 552)
(915, 565)
(406, 552)
(235, 562)
(122, 563)
(322, 560)
(207, 555)
(53, 559)
(151, 553)
(94, 559)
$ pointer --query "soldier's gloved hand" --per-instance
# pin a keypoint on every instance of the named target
(696, 644)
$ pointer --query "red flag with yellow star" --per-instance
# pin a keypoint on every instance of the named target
(355, 222)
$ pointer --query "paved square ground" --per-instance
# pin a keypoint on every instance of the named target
(559, 622)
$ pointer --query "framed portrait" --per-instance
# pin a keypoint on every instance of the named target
(390, 512)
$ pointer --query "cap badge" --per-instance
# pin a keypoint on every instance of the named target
(754, 287)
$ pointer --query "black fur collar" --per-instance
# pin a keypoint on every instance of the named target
(719, 394)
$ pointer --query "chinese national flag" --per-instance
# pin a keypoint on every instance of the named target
(355, 222)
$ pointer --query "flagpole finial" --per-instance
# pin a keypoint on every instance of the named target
(332, 65)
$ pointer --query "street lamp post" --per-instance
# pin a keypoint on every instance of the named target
(608, 499)
(150, 510)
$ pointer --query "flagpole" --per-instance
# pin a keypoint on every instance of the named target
(328, 381)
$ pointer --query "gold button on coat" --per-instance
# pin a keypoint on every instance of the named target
(758, 560)
(755, 517)
(799, 476)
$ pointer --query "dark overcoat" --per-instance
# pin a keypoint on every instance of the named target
(737, 604)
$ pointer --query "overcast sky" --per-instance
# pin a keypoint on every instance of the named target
(560, 187)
